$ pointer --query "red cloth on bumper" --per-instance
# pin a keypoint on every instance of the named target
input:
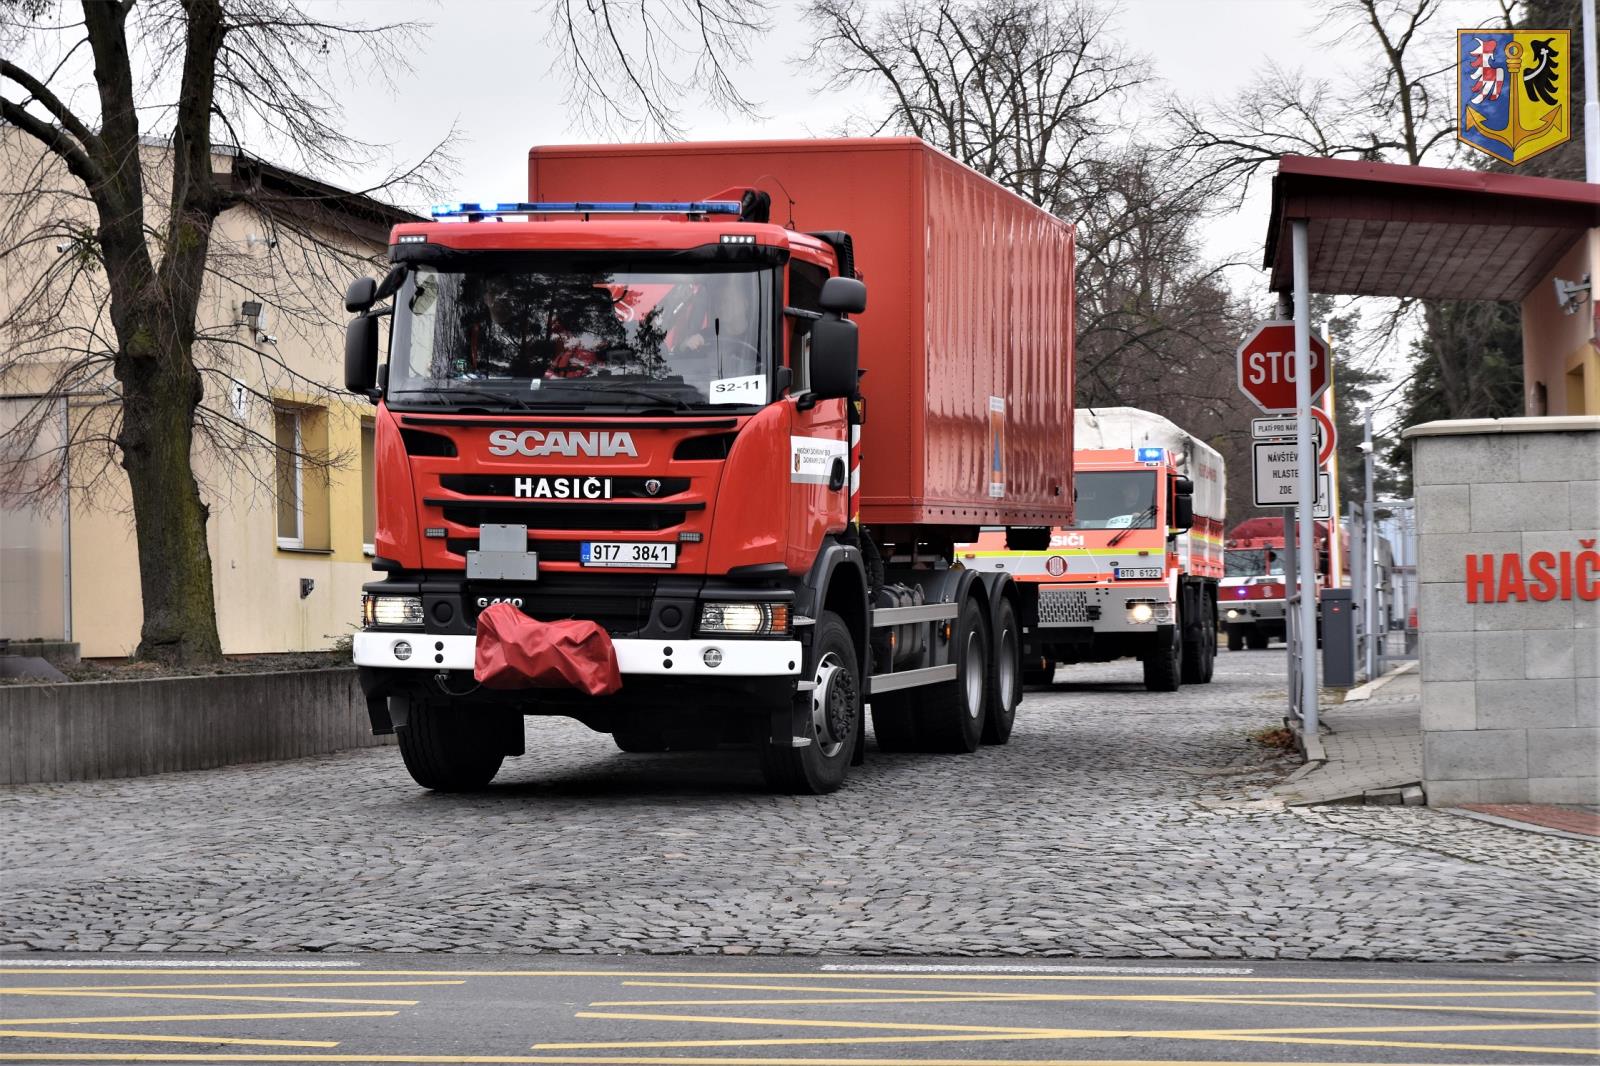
(515, 651)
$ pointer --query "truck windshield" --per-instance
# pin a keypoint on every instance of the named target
(565, 334)
(1116, 499)
(1252, 562)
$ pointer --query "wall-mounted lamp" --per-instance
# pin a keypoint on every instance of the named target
(250, 313)
(1570, 295)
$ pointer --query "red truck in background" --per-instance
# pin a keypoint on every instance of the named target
(1135, 574)
(655, 415)
(1252, 593)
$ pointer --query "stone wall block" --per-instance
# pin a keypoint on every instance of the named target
(1564, 752)
(1451, 793)
(1505, 790)
(1583, 500)
(1564, 790)
(1444, 509)
(1444, 605)
(1525, 704)
(1475, 756)
(1449, 705)
(1443, 557)
(1556, 456)
(1498, 657)
(1528, 505)
(1466, 460)
(1546, 653)
(1587, 693)
(1448, 656)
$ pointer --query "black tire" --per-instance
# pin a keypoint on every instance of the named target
(835, 709)
(1163, 667)
(894, 722)
(952, 715)
(1193, 661)
(1211, 641)
(1235, 638)
(1257, 640)
(453, 749)
(640, 740)
(1005, 675)
(1044, 673)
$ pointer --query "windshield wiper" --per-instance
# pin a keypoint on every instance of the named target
(481, 394)
(654, 397)
(1148, 512)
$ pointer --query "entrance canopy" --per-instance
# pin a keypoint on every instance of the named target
(1381, 229)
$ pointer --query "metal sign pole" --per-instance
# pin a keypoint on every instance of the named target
(1369, 568)
(1308, 478)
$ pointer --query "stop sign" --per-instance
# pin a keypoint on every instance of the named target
(1266, 366)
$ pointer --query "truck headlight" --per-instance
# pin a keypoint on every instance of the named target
(391, 610)
(1233, 612)
(754, 619)
(1144, 612)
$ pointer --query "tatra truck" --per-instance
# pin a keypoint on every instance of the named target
(1135, 574)
(681, 447)
(1252, 594)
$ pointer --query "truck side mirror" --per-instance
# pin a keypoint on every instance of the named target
(833, 357)
(360, 295)
(1183, 513)
(361, 354)
(845, 296)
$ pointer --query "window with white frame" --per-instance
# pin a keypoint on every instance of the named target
(287, 434)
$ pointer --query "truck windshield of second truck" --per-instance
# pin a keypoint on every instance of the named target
(1253, 562)
(1116, 499)
(565, 335)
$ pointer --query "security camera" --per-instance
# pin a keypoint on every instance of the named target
(1365, 447)
(253, 239)
(1570, 294)
(63, 246)
(267, 338)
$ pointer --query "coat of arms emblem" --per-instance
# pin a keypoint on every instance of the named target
(1513, 95)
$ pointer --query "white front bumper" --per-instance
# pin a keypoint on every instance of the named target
(740, 658)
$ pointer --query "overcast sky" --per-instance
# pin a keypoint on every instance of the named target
(486, 67)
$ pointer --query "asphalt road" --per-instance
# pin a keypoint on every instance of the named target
(637, 1011)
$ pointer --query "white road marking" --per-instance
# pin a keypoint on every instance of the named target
(1018, 968)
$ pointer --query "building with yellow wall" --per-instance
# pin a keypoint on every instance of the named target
(284, 460)
(1560, 367)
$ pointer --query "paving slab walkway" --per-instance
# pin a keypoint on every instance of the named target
(1371, 744)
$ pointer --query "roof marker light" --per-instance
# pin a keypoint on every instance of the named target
(469, 209)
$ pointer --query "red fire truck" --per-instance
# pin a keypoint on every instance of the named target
(1136, 574)
(1252, 593)
(652, 416)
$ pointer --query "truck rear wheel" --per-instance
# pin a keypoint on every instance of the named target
(952, 717)
(1005, 676)
(1235, 638)
(833, 713)
(1257, 640)
(1210, 630)
(1163, 666)
(451, 748)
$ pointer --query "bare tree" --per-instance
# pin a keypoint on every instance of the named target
(127, 178)
(1031, 95)
(628, 63)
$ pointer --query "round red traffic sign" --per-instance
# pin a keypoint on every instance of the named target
(1266, 366)
(1329, 436)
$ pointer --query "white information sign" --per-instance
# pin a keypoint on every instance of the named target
(1323, 507)
(1277, 475)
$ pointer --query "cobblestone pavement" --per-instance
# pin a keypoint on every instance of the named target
(1116, 824)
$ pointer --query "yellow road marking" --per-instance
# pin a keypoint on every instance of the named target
(1521, 1049)
(319, 1000)
(45, 1034)
(668, 1060)
(200, 1017)
(812, 989)
(809, 1023)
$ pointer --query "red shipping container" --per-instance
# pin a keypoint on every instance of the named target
(970, 308)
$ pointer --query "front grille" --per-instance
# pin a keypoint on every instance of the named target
(622, 607)
(622, 488)
(1063, 607)
(597, 517)
(549, 551)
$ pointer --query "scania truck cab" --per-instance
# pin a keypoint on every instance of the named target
(654, 416)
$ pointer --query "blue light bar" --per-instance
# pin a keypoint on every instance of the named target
(622, 207)
(1151, 455)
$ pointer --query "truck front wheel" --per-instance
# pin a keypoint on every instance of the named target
(1163, 664)
(833, 717)
(454, 749)
(1235, 638)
